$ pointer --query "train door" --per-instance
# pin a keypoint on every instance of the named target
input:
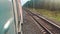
(7, 22)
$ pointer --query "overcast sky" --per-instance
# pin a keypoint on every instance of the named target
(23, 2)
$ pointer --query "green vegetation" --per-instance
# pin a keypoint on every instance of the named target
(48, 13)
(48, 8)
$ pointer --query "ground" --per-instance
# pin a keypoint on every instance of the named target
(48, 13)
(29, 26)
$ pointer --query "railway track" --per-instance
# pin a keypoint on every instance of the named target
(48, 27)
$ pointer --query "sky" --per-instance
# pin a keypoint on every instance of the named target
(23, 2)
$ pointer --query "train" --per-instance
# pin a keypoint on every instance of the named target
(10, 16)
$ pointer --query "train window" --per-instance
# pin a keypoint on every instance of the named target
(7, 25)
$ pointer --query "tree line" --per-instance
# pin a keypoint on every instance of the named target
(44, 4)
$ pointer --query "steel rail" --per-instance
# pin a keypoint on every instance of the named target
(46, 21)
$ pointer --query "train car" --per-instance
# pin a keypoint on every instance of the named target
(9, 17)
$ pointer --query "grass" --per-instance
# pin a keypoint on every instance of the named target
(48, 13)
